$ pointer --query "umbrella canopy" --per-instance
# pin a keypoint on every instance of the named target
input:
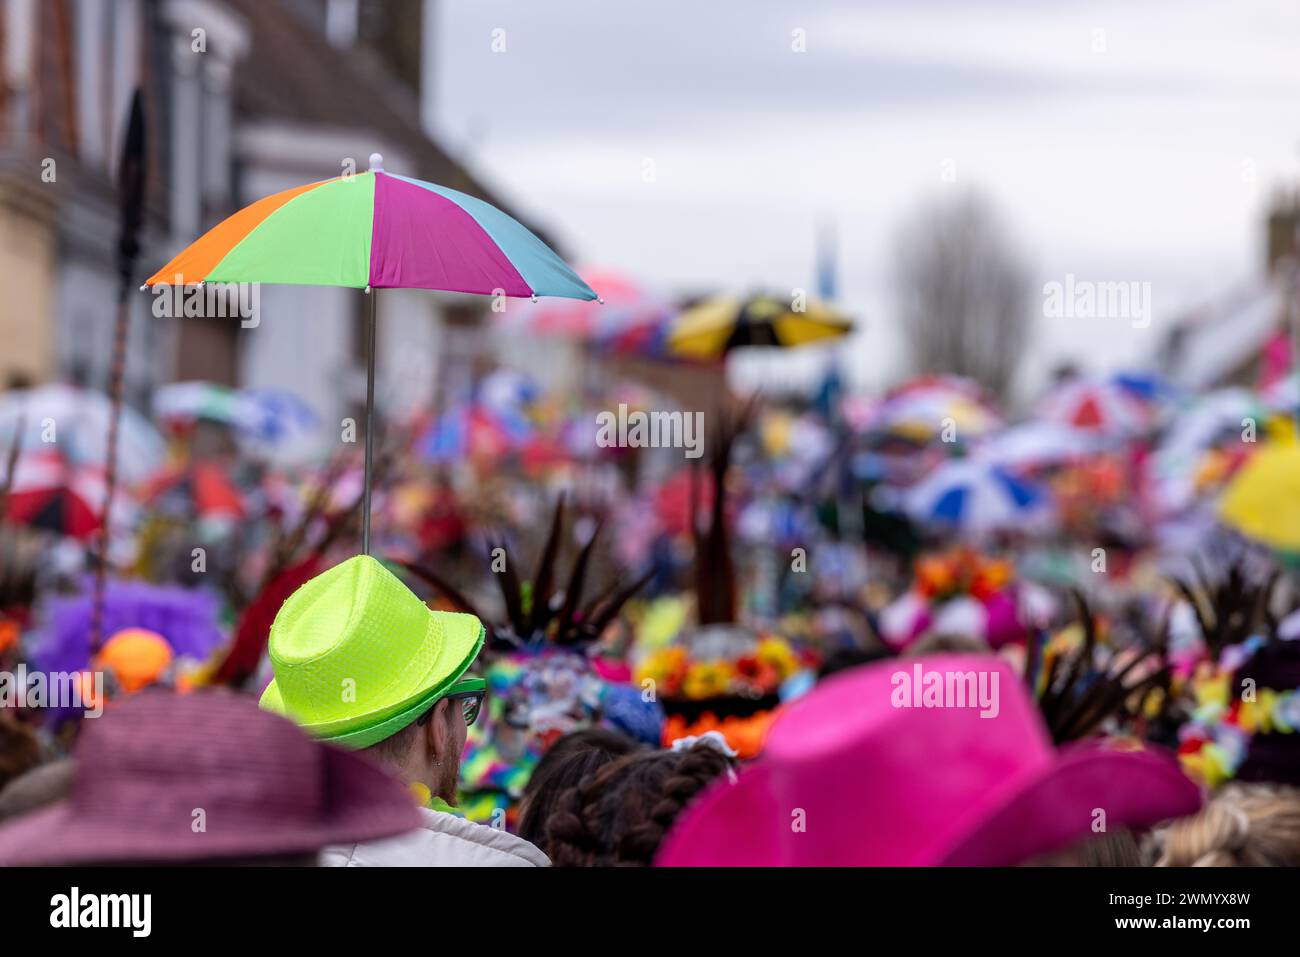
(278, 417)
(201, 489)
(923, 413)
(474, 431)
(714, 327)
(1105, 406)
(183, 403)
(50, 493)
(375, 230)
(380, 230)
(1263, 500)
(974, 498)
(1216, 420)
(1036, 443)
(1283, 394)
(75, 422)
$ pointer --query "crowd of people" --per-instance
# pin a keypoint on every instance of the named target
(895, 632)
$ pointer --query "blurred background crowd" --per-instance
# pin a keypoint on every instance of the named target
(1114, 511)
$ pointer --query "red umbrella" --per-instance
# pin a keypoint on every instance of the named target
(204, 485)
(50, 493)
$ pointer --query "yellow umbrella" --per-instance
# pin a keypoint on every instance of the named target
(714, 327)
(1263, 499)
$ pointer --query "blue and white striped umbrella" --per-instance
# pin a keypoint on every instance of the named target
(974, 498)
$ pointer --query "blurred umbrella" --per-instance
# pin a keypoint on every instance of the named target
(200, 489)
(369, 231)
(1283, 394)
(1098, 405)
(924, 413)
(1146, 386)
(1263, 500)
(1217, 418)
(1035, 443)
(76, 423)
(974, 498)
(630, 313)
(711, 329)
(476, 432)
(184, 403)
(278, 417)
(947, 384)
(262, 417)
(51, 493)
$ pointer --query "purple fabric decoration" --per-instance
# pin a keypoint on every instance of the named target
(186, 617)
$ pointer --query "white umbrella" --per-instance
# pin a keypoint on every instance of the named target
(74, 422)
(1035, 443)
(976, 498)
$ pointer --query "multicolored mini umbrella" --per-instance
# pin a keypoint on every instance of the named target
(711, 329)
(375, 230)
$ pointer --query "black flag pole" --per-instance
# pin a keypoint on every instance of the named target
(130, 179)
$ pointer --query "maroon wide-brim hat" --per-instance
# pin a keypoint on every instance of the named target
(205, 777)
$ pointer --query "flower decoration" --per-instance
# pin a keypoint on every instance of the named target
(759, 673)
(1214, 743)
(745, 735)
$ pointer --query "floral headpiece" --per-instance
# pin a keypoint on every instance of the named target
(761, 672)
(1214, 743)
(961, 571)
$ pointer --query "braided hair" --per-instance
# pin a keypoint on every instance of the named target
(620, 815)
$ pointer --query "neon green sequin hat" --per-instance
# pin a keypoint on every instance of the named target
(357, 656)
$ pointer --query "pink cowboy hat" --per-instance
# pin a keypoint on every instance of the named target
(145, 770)
(862, 773)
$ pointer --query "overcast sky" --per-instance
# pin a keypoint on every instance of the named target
(1120, 141)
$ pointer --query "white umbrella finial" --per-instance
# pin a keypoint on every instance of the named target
(376, 162)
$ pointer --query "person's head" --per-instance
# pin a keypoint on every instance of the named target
(1115, 848)
(1246, 825)
(569, 763)
(620, 816)
(428, 750)
(361, 662)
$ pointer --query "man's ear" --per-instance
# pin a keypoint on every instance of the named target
(437, 734)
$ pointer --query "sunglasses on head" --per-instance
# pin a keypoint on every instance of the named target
(470, 691)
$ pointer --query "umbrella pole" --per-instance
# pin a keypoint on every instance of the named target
(370, 424)
(115, 388)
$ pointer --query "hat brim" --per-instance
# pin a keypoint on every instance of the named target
(360, 803)
(462, 639)
(1087, 786)
(741, 825)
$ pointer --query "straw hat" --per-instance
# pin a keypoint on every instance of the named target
(357, 656)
